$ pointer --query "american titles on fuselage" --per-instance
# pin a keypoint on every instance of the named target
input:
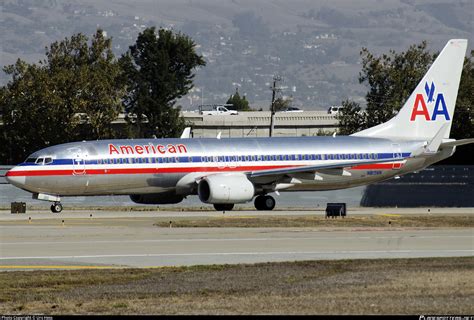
(147, 149)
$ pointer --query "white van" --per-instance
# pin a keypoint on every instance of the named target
(334, 109)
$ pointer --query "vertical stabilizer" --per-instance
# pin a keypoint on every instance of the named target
(431, 105)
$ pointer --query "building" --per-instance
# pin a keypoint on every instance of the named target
(257, 124)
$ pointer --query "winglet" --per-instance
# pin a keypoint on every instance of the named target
(434, 144)
(186, 133)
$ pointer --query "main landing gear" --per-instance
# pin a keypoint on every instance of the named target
(265, 202)
(56, 207)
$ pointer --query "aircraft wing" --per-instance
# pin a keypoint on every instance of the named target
(314, 168)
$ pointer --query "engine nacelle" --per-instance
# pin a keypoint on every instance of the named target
(226, 188)
(157, 198)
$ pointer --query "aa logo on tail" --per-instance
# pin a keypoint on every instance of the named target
(420, 108)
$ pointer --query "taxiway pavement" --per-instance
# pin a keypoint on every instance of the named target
(127, 239)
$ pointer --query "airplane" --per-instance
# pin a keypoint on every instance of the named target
(227, 171)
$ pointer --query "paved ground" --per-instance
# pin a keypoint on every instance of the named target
(130, 239)
(149, 212)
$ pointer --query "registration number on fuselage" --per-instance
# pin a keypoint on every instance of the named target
(374, 172)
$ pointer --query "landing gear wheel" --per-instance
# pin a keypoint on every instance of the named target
(264, 203)
(56, 207)
(223, 206)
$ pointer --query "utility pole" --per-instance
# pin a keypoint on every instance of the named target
(275, 89)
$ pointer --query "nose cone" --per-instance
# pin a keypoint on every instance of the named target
(15, 178)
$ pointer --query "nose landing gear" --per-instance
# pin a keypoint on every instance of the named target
(56, 207)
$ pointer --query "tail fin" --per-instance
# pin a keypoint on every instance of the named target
(431, 105)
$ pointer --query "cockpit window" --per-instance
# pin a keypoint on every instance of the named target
(39, 161)
(30, 160)
(48, 160)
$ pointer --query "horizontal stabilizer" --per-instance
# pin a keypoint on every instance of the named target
(457, 142)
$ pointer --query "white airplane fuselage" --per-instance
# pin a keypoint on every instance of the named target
(237, 170)
(156, 165)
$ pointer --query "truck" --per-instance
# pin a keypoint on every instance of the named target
(216, 110)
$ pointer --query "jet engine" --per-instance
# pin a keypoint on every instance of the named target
(157, 198)
(226, 188)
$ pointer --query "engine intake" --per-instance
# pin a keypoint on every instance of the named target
(226, 188)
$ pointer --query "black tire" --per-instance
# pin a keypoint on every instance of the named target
(264, 203)
(224, 206)
(56, 208)
(258, 203)
(269, 203)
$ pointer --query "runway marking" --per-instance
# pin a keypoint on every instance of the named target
(389, 215)
(57, 267)
(234, 254)
(406, 236)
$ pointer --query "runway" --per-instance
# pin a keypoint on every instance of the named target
(127, 241)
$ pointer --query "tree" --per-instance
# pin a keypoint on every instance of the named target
(105, 87)
(159, 69)
(391, 79)
(351, 118)
(237, 102)
(74, 78)
(463, 119)
(250, 25)
(281, 104)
